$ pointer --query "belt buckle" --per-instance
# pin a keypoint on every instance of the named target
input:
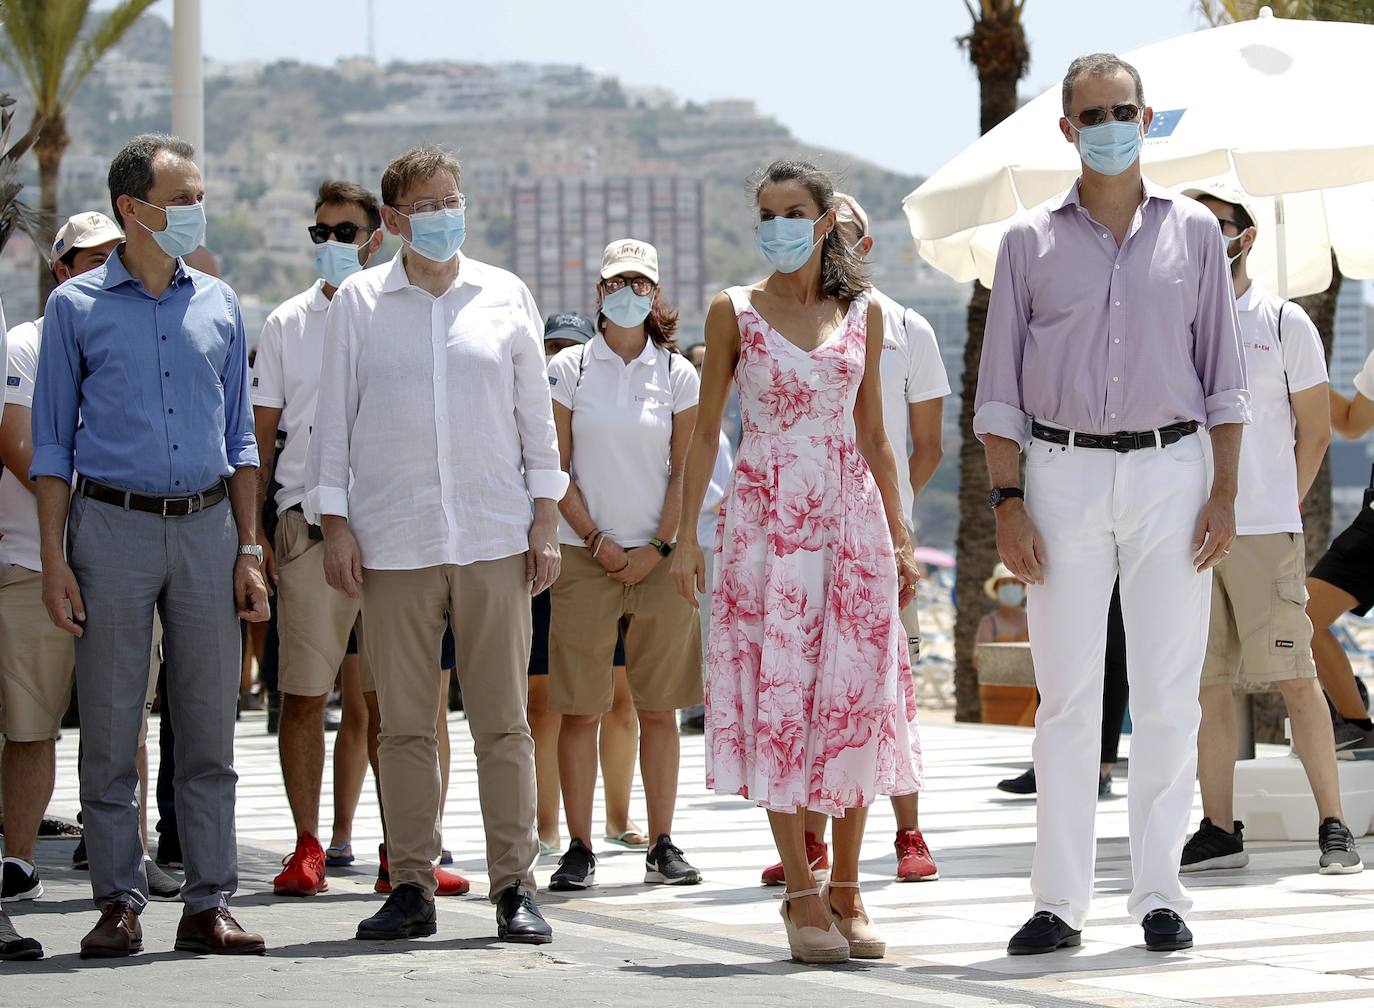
(1121, 444)
(165, 502)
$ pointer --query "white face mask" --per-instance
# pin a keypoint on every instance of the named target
(1011, 594)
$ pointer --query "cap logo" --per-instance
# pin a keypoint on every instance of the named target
(632, 249)
(61, 244)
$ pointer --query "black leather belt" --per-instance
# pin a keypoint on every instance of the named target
(312, 531)
(1122, 441)
(167, 507)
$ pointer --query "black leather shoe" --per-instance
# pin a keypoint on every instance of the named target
(407, 913)
(519, 920)
(1043, 933)
(1022, 785)
(1166, 932)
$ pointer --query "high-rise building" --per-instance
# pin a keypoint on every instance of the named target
(561, 224)
(1349, 336)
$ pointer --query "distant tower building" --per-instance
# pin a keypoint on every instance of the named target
(561, 224)
(1349, 337)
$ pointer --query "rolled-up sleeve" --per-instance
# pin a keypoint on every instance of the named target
(240, 441)
(327, 465)
(1217, 351)
(544, 477)
(998, 406)
(56, 394)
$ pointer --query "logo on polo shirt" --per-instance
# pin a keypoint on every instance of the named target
(13, 381)
(1283, 643)
(552, 381)
(255, 383)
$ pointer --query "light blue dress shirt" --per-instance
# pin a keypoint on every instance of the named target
(142, 393)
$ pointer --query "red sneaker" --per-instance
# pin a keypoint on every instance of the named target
(816, 852)
(914, 863)
(448, 883)
(304, 871)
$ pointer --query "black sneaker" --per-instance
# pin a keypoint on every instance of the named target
(576, 869)
(1212, 848)
(665, 865)
(169, 851)
(1104, 785)
(1166, 932)
(1045, 932)
(162, 888)
(1023, 785)
(79, 859)
(19, 883)
(1339, 856)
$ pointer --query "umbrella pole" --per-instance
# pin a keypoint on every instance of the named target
(1281, 234)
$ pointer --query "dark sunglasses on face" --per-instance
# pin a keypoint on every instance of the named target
(344, 232)
(1125, 112)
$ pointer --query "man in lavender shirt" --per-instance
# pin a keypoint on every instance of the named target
(1112, 336)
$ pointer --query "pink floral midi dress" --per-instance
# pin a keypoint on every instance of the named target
(809, 697)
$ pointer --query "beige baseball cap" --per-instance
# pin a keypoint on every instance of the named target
(848, 210)
(629, 255)
(1226, 191)
(85, 230)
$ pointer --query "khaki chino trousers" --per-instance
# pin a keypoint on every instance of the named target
(403, 614)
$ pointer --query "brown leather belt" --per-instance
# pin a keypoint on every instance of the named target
(1123, 441)
(167, 507)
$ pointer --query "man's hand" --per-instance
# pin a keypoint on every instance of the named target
(250, 590)
(1018, 543)
(343, 561)
(640, 563)
(1216, 530)
(611, 555)
(269, 559)
(62, 597)
(544, 560)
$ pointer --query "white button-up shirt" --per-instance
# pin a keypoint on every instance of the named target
(438, 411)
(286, 376)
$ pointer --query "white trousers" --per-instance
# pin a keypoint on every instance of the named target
(1102, 513)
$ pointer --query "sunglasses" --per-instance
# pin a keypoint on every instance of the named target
(345, 232)
(640, 285)
(1124, 112)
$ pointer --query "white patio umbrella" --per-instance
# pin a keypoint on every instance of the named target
(1273, 105)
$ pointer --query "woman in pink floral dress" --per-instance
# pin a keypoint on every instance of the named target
(809, 699)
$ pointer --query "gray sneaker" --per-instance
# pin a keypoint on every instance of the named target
(1339, 856)
(1350, 737)
(162, 888)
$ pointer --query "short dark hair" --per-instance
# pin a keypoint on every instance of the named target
(337, 191)
(1243, 219)
(419, 164)
(1099, 65)
(131, 171)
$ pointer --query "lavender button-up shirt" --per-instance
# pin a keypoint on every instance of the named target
(1090, 337)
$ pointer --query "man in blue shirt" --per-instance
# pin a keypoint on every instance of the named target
(142, 394)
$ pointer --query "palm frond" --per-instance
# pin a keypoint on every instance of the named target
(40, 36)
(105, 37)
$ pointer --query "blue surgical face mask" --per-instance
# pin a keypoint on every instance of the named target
(336, 261)
(1011, 594)
(787, 242)
(626, 308)
(1111, 147)
(185, 230)
(437, 235)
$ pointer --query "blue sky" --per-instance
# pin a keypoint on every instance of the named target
(886, 83)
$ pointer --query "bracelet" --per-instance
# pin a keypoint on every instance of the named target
(586, 539)
(600, 541)
(619, 569)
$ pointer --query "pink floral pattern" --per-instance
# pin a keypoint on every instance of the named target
(809, 697)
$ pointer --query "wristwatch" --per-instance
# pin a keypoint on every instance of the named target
(253, 551)
(664, 549)
(1000, 494)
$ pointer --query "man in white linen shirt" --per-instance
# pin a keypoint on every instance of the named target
(434, 433)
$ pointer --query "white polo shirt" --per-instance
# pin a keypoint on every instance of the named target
(286, 376)
(622, 427)
(18, 507)
(912, 372)
(1267, 497)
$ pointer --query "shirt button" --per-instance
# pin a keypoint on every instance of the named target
(1117, 266)
(1117, 303)
(1117, 340)
(1105, 235)
(1113, 416)
(175, 447)
(164, 337)
(176, 483)
(166, 374)
(171, 411)
(1115, 378)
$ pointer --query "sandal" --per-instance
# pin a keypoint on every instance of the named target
(340, 856)
(630, 839)
(813, 944)
(864, 940)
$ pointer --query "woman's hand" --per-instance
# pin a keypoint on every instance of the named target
(689, 570)
(908, 574)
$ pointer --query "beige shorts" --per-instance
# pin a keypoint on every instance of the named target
(313, 619)
(1260, 632)
(37, 660)
(662, 639)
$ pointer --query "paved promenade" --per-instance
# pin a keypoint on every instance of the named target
(1275, 934)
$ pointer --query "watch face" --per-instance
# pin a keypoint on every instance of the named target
(994, 498)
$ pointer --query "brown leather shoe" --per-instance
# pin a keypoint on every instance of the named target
(117, 934)
(215, 932)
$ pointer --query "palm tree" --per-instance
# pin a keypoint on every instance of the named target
(1267, 708)
(999, 52)
(15, 214)
(52, 45)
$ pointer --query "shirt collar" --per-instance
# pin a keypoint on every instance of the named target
(116, 273)
(1252, 297)
(602, 351)
(318, 302)
(1073, 198)
(396, 278)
